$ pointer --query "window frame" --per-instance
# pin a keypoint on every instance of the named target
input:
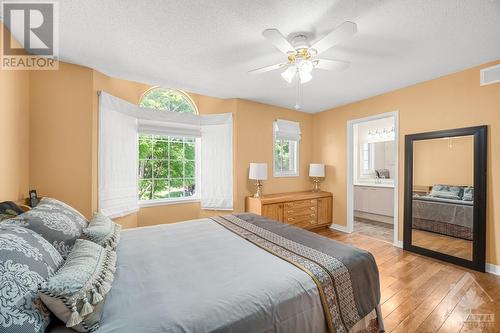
(280, 173)
(170, 201)
(366, 173)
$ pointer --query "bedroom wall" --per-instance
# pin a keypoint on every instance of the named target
(451, 101)
(14, 134)
(60, 134)
(63, 144)
(437, 162)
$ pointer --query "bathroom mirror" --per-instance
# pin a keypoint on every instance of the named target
(445, 195)
(376, 160)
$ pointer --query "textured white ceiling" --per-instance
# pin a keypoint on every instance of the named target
(208, 47)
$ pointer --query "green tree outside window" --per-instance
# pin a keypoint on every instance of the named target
(167, 164)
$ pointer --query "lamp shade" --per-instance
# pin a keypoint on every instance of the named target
(258, 171)
(316, 170)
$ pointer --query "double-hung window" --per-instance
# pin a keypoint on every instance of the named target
(167, 167)
(286, 148)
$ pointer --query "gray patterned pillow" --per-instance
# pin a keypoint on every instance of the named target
(26, 261)
(446, 192)
(57, 222)
(468, 193)
(103, 231)
(75, 294)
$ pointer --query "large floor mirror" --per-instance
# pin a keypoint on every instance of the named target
(445, 195)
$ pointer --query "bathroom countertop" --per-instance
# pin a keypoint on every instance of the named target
(374, 184)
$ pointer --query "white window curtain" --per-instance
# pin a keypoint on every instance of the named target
(217, 162)
(115, 172)
(286, 130)
(117, 160)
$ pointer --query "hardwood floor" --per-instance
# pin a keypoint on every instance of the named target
(420, 294)
(455, 246)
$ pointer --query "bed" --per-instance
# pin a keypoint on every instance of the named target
(450, 217)
(239, 273)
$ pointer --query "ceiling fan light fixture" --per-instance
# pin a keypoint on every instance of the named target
(306, 66)
(289, 73)
(305, 76)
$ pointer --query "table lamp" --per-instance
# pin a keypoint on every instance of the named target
(317, 173)
(258, 172)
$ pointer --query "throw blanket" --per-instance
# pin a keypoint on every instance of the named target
(343, 311)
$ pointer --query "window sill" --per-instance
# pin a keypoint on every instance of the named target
(152, 203)
(285, 175)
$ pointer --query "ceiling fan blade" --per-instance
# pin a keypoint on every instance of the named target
(278, 40)
(341, 33)
(331, 65)
(267, 69)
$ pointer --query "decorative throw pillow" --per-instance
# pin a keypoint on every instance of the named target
(75, 294)
(446, 192)
(468, 193)
(9, 209)
(57, 222)
(103, 231)
(26, 261)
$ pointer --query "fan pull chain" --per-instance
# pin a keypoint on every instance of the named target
(298, 94)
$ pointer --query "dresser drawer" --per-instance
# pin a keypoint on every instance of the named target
(293, 219)
(300, 211)
(305, 223)
(301, 204)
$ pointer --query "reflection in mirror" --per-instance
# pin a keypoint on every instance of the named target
(443, 195)
(376, 160)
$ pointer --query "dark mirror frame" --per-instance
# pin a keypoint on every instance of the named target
(479, 215)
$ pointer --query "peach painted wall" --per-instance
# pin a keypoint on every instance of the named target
(255, 144)
(14, 134)
(451, 101)
(61, 133)
(446, 162)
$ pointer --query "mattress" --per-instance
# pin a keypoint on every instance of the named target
(197, 276)
(444, 216)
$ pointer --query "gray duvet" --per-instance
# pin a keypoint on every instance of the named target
(197, 276)
(457, 212)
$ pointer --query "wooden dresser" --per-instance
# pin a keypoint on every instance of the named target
(306, 209)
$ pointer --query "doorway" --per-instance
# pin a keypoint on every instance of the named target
(372, 177)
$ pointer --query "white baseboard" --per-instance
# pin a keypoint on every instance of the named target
(374, 217)
(493, 269)
(398, 243)
(341, 228)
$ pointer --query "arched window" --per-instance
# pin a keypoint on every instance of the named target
(168, 163)
(168, 99)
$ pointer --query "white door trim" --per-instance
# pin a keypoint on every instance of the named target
(350, 175)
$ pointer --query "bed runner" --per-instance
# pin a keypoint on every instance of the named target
(329, 274)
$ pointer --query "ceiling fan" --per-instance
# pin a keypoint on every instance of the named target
(302, 58)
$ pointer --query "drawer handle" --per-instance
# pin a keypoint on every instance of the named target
(313, 215)
(291, 219)
(313, 201)
(290, 211)
(313, 208)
